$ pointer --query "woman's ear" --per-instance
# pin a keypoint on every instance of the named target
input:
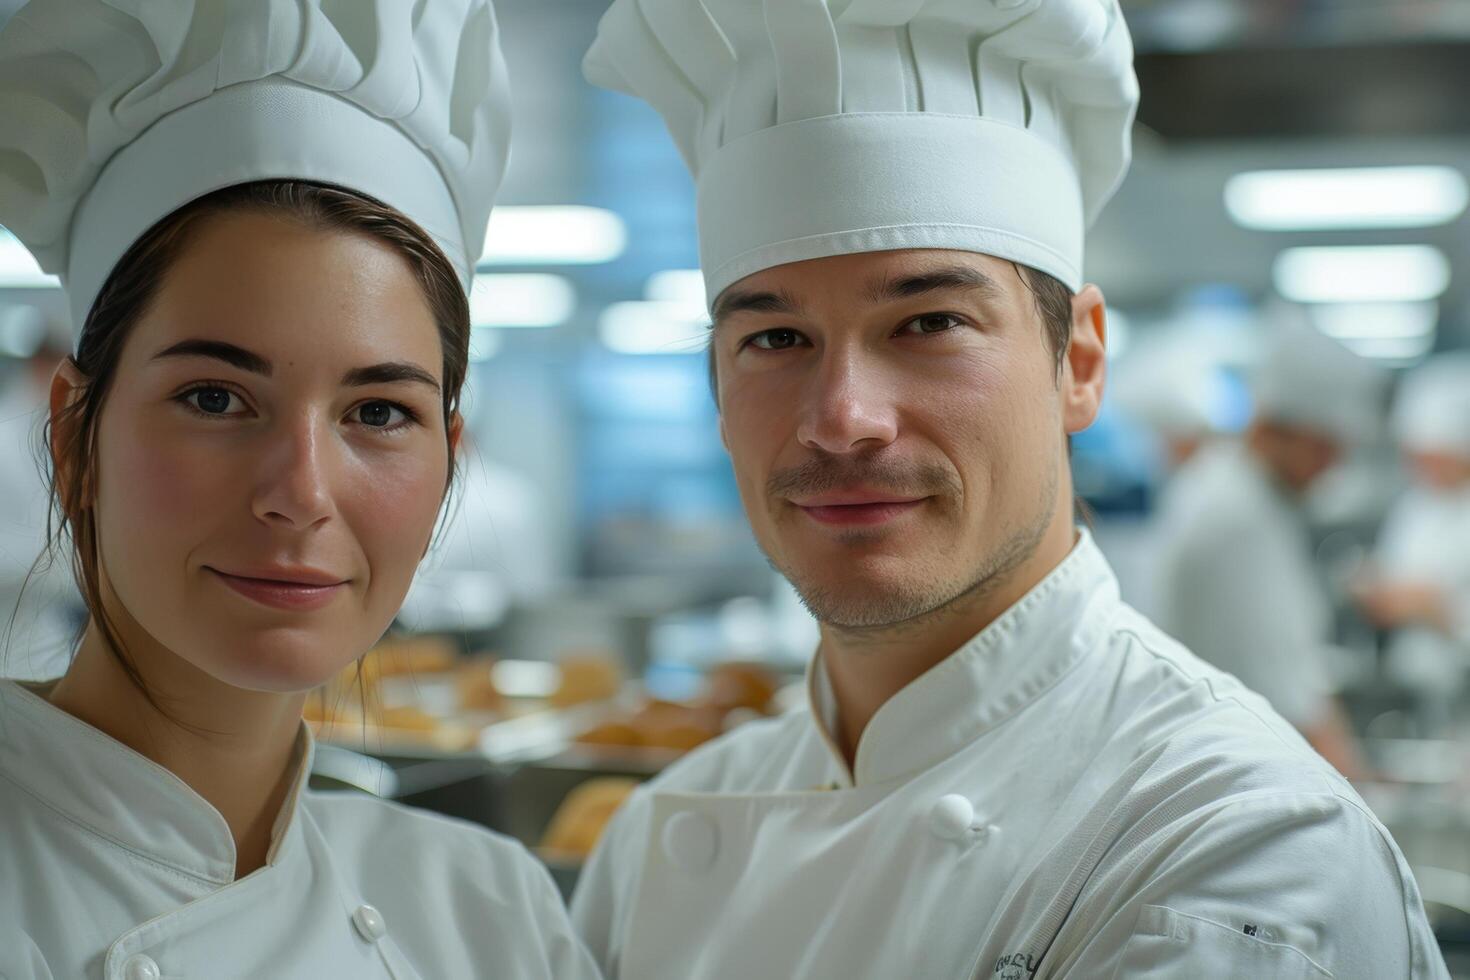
(456, 429)
(68, 385)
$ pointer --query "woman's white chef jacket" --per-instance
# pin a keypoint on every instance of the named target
(1426, 539)
(1069, 794)
(111, 867)
(1236, 584)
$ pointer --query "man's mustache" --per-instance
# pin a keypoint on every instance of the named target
(901, 477)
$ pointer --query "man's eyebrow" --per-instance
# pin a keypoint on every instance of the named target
(957, 277)
(389, 372)
(231, 354)
(757, 301)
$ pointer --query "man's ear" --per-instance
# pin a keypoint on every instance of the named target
(1084, 369)
(68, 384)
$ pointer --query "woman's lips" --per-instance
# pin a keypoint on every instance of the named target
(281, 595)
(860, 515)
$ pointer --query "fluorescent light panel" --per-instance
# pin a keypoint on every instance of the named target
(1376, 321)
(1374, 197)
(533, 299)
(18, 268)
(553, 235)
(652, 327)
(1362, 273)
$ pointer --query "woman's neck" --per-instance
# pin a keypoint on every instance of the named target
(235, 748)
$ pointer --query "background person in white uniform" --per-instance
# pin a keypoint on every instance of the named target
(251, 444)
(1419, 586)
(1236, 582)
(1005, 771)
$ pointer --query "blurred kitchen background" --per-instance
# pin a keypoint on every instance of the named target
(598, 604)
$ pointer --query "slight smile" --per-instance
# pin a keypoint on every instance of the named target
(282, 593)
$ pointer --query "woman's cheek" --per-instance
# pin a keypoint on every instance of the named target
(393, 504)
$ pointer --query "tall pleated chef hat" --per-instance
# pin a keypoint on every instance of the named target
(1432, 411)
(826, 127)
(113, 113)
(1309, 380)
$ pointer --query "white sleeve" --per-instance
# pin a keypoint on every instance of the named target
(602, 904)
(1281, 885)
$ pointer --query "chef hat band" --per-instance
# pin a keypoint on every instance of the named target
(825, 127)
(115, 113)
(241, 134)
(808, 189)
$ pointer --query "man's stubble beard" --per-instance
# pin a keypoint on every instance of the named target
(911, 604)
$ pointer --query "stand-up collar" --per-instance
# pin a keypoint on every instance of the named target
(997, 673)
(122, 796)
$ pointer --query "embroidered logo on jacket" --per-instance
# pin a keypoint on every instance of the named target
(1015, 966)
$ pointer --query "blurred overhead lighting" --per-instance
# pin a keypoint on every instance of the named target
(1376, 321)
(1372, 197)
(18, 267)
(521, 300)
(1361, 273)
(684, 286)
(653, 327)
(1396, 351)
(553, 235)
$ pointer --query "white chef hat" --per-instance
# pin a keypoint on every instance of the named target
(1307, 379)
(114, 113)
(826, 127)
(1170, 384)
(1432, 411)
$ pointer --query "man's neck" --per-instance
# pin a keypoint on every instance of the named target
(233, 747)
(868, 666)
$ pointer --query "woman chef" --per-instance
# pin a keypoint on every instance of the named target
(265, 216)
(1005, 772)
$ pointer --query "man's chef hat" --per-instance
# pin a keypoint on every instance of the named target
(114, 113)
(826, 127)
(1432, 412)
(1309, 380)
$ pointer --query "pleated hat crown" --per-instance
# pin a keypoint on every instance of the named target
(114, 113)
(826, 127)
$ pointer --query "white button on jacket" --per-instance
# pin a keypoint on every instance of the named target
(111, 868)
(1070, 794)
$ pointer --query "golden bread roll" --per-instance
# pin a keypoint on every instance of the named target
(581, 817)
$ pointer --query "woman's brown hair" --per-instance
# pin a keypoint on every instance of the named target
(71, 435)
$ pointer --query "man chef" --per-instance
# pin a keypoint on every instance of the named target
(1004, 771)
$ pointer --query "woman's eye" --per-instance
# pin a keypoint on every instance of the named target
(381, 415)
(931, 323)
(780, 339)
(210, 400)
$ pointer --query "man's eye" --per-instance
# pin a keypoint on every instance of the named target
(780, 339)
(931, 323)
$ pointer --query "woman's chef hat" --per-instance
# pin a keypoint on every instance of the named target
(1307, 379)
(825, 127)
(1432, 412)
(114, 113)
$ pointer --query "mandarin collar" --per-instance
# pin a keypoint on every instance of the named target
(125, 797)
(1005, 667)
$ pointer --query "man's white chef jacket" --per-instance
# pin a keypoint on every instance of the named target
(1069, 794)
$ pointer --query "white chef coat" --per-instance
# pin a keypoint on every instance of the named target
(111, 867)
(1235, 582)
(1426, 538)
(1133, 813)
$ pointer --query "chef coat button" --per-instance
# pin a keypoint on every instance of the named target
(691, 841)
(140, 967)
(369, 923)
(952, 817)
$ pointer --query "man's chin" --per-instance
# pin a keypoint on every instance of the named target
(868, 603)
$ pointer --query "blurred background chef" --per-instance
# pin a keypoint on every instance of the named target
(1419, 586)
(1236, 579)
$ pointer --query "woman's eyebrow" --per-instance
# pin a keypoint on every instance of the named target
(219, 350)
(386, 373)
